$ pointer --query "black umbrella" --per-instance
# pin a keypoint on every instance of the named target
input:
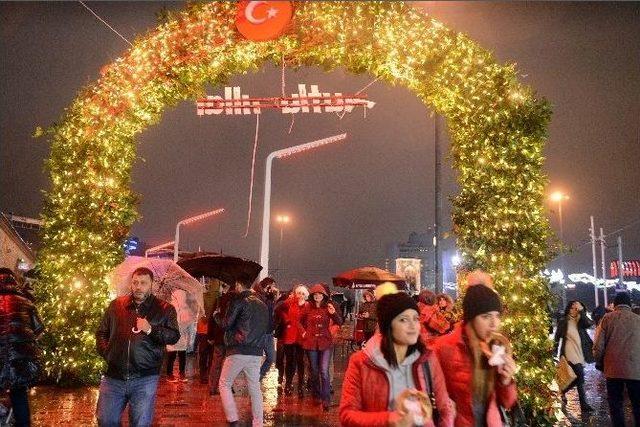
(222, 267)
(366, 278)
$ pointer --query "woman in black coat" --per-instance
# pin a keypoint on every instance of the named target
(19, 327)
(576, 346)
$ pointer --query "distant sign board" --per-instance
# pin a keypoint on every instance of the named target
(410, 269)
(630, 269)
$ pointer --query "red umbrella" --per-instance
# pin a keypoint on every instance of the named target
(366, 278)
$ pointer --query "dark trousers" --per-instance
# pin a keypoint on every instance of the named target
(20, 404)
(294, 362)
(615, 396)
(182, 361)
(280, 360)
(218, 353)
(204, 356)
(578, 383)
(270, 353)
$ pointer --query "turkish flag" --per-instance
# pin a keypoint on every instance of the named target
(263, 20)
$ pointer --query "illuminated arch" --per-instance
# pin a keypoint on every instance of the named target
(497, 128)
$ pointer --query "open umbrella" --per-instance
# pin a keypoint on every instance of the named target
(168, 277)
(222, 267)
(366, 278)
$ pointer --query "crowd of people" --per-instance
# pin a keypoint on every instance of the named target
(423, 361)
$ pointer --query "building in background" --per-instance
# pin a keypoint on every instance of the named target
(19, 241)
(410, 269)
(419, 247)
(134, 246)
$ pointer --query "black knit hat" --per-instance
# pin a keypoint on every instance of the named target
(7, 277)
(390, 305)
(622, 298)
(480, 299)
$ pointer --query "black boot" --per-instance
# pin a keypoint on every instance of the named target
(584, 405)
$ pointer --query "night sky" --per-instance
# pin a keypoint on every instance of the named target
(349, 201)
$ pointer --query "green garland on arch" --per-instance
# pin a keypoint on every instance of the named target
(497, 128)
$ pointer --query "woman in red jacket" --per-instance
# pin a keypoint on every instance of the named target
(393, 363)
(477, 382)
(317, 340)
(292, 339)
(427, 308)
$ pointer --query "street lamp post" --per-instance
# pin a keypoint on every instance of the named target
(282, 220)
(558, 197)
(266, 210)
(186, 221)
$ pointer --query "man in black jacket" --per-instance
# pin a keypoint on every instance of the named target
(268, 293)
(131, 337)
(215, 335)
(245, 325)
(19, 353)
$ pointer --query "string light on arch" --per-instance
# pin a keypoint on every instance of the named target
(497, 128)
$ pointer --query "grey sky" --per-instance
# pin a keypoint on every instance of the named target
(348, 201)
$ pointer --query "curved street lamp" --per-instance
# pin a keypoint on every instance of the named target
(266, 209)
(282, 220)
(558, 197)
(189, 221)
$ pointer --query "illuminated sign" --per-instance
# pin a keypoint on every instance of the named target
(313, 101)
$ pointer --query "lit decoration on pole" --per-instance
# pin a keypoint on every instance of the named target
(156, 248)
(497, 128)
(266, 207)
(191, 220)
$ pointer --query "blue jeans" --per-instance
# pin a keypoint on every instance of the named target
(270, 352)
(140, 393)
(319, 361)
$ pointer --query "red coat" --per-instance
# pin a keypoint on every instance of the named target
(365, 392)
(292, 333)
(458, 371)
(426, 311)
(315, 323)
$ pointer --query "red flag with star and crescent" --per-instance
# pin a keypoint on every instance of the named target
(263, 20)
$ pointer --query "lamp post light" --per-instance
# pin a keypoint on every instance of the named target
(558, 197)
(282, 220)
(190, 220)
(456, 260)
(266, 210)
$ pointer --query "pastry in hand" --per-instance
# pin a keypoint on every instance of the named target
(496, 348)
(417, 404)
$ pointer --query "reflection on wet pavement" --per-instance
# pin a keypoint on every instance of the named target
(189, 404)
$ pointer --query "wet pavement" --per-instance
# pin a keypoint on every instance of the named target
(189, 403)
(596, 390)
